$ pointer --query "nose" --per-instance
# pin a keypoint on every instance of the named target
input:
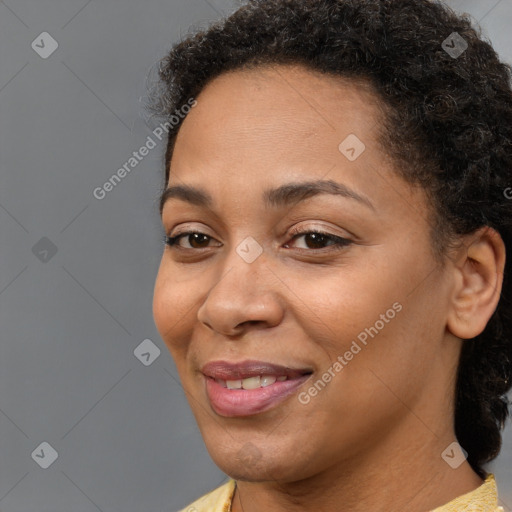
(244, 297)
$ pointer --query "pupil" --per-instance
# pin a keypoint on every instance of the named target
(316, 238)
(196, 238)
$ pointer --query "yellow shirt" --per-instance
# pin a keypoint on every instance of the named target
(482, 499)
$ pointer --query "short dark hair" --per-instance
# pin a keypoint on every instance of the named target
(448, 127)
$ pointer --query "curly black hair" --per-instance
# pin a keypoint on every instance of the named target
(448, 128)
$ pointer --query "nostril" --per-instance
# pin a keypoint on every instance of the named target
(246, 323)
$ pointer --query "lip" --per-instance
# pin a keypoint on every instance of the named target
(250, 368)
(247, 402)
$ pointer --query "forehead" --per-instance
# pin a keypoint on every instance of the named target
(279, 113)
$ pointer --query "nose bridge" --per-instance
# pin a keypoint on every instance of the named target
(242, 293)
(244, 267)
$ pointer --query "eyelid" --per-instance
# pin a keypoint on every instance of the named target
(325, 230)
(187, 229)
(329, 230)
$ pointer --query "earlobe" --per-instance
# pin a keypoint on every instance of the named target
(478, 281)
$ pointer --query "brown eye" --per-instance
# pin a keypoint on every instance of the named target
(316, 240)
(195, 240)
(320, 240)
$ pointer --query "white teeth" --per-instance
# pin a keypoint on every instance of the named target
(267, 380)
(234, 384)
(251, 383)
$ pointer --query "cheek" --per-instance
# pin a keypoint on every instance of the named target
(334, 306)
(372, 315)
(173, 309)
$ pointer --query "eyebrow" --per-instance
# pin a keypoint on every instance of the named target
(285, 195)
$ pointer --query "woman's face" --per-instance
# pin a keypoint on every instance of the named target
(338, 340)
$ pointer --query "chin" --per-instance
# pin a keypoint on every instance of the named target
(264, 473)
(251, 464)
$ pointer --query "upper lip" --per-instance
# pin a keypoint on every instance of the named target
(226, 370)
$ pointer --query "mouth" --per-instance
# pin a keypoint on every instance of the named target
(250, 387)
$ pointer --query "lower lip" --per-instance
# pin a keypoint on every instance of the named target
(246, 402)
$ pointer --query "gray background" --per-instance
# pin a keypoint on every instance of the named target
(125, 438)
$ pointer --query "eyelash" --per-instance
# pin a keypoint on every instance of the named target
(339, 242)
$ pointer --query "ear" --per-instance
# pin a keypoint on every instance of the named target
(478, 272)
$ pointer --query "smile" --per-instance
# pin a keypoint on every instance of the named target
(250, 387)
(251, 382)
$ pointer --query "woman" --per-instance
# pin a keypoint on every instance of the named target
(334, 288)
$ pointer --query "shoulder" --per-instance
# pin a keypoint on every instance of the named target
(481, 499)
(218, 500)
